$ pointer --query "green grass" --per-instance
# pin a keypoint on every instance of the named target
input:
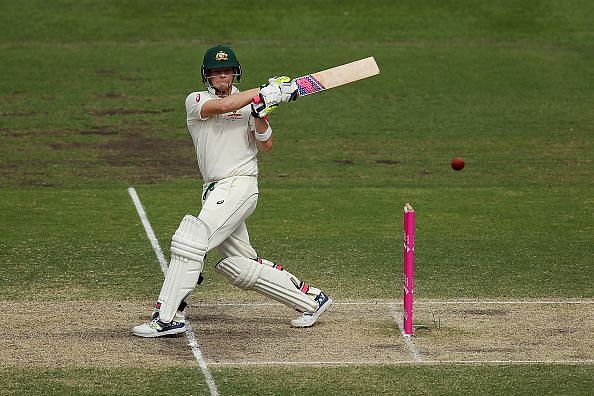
(471, 242)
(357, 380)
(456, 379)
(102, 382)
(91, 102)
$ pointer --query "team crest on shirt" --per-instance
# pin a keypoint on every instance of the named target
(221, 56)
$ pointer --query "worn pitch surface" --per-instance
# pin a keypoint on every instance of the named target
(85, 334)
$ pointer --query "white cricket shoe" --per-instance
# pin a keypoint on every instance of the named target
(307, 319)
(156, 328)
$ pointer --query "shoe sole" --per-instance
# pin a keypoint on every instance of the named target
(316, 315)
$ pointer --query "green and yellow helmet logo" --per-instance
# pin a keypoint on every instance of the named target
(218, 57)
(221, 56)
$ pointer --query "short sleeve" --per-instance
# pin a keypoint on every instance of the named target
(194, 103)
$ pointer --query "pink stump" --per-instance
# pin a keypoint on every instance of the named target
(408, 268)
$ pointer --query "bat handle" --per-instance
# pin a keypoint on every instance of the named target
(257, 99)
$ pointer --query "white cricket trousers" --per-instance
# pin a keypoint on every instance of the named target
(226, 205)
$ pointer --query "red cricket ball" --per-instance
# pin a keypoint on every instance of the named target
(457, 163)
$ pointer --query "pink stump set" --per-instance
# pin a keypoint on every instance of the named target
(408, 268)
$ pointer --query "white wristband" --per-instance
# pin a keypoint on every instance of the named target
(265, 135)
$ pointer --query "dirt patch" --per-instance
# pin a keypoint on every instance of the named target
(129, 155)
(388, 162)
(485, 312)
(519, 332)
(153, 158)
(113, 95)
(34, 134)
(344, 162)
(135, 155)
(123, 111)
(97, 334)
(68, 334)
(242, 334)
(18, 114)
(85, 334)
(99, 132)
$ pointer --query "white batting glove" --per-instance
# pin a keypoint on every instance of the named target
(288, 87)
(271, 95)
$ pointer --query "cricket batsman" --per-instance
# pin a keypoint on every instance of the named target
(228, 129)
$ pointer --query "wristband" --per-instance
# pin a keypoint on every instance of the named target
(265, 135)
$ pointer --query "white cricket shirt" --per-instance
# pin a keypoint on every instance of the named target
(224, 143)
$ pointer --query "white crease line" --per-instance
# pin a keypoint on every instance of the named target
(518, 302)
(404, 362)
(383, 302)
(461, 302)
(407, 339)
(149, 230)
(192, 342)
(201, 362)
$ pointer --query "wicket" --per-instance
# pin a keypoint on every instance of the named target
(408, 268)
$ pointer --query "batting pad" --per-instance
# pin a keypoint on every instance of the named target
(188, 247)
(265, 278)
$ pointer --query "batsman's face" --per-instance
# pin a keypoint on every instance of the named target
(221, 79)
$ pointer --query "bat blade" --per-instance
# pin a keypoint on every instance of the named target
(337, 76)
(334, 77)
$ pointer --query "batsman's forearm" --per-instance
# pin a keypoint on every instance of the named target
(239, 99)
(261, 125)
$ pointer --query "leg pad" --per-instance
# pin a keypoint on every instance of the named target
(268, 279)
(188, 248)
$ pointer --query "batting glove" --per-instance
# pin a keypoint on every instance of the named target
(259, 108)
(271, 95)
(288, 88)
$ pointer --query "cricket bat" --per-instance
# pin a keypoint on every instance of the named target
(335, 77)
